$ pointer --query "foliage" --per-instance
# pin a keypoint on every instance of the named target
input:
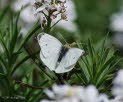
(98, 66)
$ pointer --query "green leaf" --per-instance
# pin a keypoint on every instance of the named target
(22, 61)
(4, 46)
(2, 76)
(98, 65)
(5, 10)
(3, 64)
(15, 34)
(29, 34)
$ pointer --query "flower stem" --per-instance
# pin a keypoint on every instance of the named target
(56, 23)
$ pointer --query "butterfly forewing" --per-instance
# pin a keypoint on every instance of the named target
(50, 49)
(49, 45)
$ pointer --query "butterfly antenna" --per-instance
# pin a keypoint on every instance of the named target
(63, 38)
(81, 43)
(75, 43)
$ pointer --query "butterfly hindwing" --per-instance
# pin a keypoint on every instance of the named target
(69, 60)
(50, 62)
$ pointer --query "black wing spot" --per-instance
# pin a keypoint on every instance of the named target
(74, 57)
(46, 44)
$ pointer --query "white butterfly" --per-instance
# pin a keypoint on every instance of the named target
(55, 56)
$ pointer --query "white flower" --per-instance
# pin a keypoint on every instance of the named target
(72, 99)
(118, 99)
(67, 93)
(64, 91)
(37, 1)
(103, 98)
(60, 10)
(90, 94)
(118, 84)
(41, 5)
(27, 14)
(71, 16)
(28, 19)
(117, 22)
(41, 8)
(118, 39)
(63, 0)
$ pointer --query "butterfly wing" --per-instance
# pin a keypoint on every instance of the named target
(68, 62)
(50, 49)
(49, 44)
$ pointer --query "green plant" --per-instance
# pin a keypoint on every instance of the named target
(98, 66)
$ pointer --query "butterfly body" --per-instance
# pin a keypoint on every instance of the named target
(55, 56)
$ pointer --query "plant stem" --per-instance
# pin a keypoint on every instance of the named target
(48, 26)
(56, 23)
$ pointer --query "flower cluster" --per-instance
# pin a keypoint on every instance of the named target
(51, 9)
(118, 85)
(67, 93)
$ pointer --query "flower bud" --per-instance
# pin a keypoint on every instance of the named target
(64, 16)
(53, 16)
(44, 21)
